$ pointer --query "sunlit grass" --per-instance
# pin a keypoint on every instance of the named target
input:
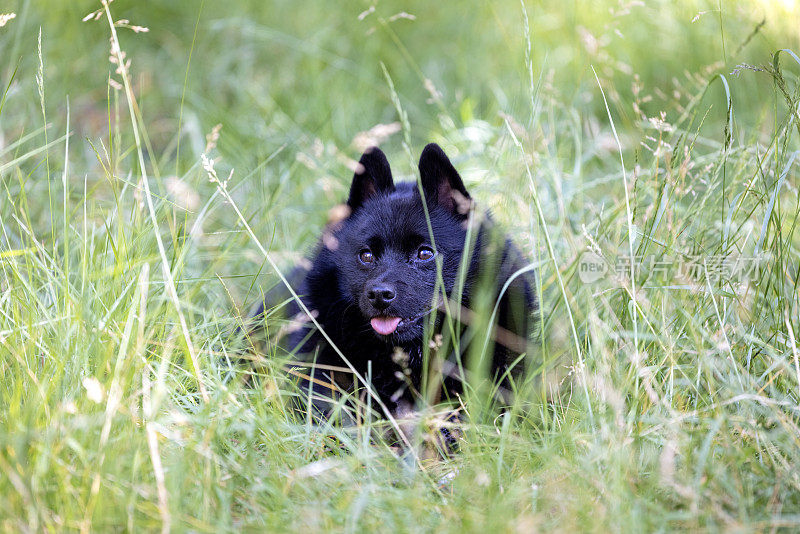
(665, 401)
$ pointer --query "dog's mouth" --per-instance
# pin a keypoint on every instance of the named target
(388, 325)
(385, 326)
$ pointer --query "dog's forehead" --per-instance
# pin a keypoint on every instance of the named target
(393, 216)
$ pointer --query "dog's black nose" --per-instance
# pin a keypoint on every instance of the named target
(381, 295)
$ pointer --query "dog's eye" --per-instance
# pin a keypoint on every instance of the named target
(425, 253)
(366, 256)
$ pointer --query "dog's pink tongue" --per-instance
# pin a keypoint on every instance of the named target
(385, 325)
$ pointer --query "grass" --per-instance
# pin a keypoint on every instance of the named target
(664, 401)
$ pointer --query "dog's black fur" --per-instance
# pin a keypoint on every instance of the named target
(379, 262)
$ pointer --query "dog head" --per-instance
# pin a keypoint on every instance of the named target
(396, 240)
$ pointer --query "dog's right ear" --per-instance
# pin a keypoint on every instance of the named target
(373, 175)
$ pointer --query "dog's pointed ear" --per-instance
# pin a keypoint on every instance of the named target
(373, 175)
(440, 181)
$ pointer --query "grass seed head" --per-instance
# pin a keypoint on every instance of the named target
(6, 17)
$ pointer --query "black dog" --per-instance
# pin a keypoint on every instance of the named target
(398, 274)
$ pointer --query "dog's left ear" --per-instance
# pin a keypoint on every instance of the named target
(440, 181)
(373, 175)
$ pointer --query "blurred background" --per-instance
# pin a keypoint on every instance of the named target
(305, 84)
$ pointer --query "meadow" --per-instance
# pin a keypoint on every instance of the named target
(160, 163)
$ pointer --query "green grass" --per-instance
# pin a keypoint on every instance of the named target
(662, 403)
